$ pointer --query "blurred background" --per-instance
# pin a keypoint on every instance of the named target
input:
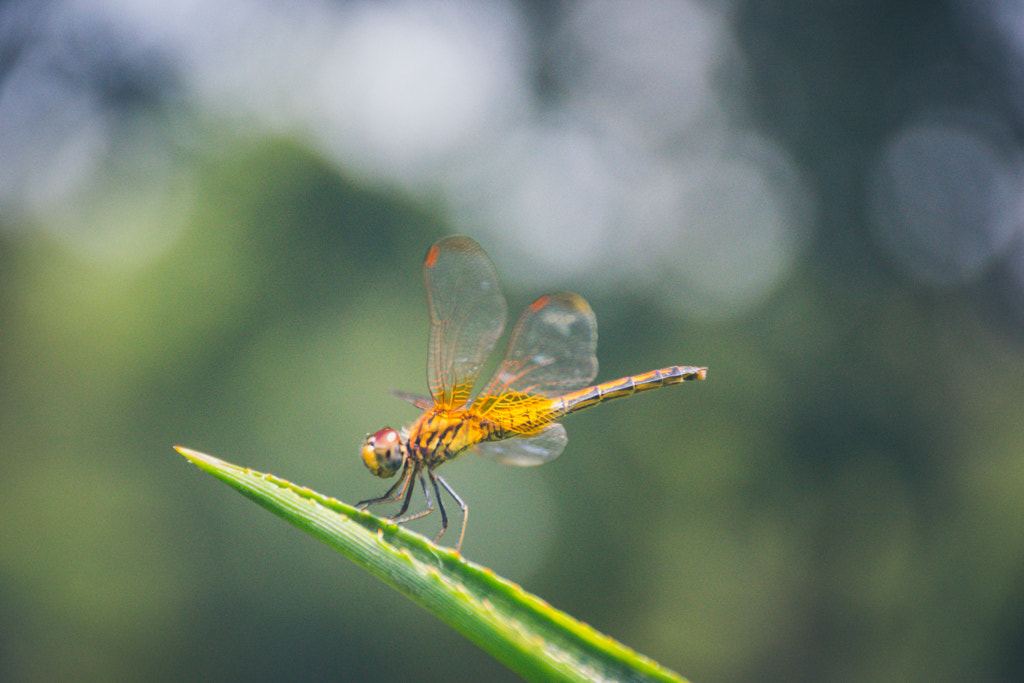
(212, 221)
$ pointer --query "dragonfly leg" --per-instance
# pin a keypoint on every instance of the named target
(440, 505)
(405, 495)
(403, 482)
(462, 506)
(405, 506)
(408, 497)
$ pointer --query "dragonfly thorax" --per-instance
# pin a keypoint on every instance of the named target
(439, 435)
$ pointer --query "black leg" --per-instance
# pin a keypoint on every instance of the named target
(421, 513)
(462, 506)
(405, 489)
(403, 481)
(408, 494)
(440, 505)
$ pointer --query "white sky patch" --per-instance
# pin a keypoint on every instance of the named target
(742, 222)
(944, 201)
(405, 86)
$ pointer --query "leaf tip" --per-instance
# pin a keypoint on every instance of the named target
(195, 457)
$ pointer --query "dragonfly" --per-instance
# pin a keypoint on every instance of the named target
(545, 375)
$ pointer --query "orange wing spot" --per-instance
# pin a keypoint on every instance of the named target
(432, 257)
(540, 303)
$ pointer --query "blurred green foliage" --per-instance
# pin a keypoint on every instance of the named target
(840, 499)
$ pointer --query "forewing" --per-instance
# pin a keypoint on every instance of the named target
(526, 451)
(467, 315)
(552, 350)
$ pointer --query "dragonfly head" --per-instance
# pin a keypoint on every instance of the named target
(383, 452)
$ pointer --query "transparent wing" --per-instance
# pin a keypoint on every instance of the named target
(552, 350)
(421, 402)
(467, 315)
(525, 451)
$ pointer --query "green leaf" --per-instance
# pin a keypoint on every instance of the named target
(522, 631)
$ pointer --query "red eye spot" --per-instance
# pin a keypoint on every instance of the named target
(540, 303)
(432, 257)
(386, 435)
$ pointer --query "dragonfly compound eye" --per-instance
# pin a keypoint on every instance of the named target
(383, 452)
